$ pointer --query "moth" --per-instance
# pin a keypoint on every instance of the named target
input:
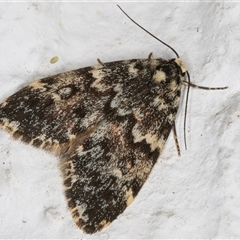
(107, 124)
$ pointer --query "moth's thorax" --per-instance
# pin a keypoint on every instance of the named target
(167, 77)
(166, 73)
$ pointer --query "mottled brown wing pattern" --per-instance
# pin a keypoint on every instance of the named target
(107, 123)
(73, 100)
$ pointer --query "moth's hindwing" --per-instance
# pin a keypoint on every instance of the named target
(107, 123)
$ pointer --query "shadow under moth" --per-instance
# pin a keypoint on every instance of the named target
(107, 124)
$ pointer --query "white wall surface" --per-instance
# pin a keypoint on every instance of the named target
(193, 196)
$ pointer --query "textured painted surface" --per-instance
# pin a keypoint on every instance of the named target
(196, 195)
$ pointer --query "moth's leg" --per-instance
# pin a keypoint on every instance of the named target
(150, 56)
(176, 139)
(201, 87)
(100, 62)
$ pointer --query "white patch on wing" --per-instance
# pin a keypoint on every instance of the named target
(129, 196)
(10, 126)
(132, 69)
(159, 76)
(37, 85)
(151, 139)
(98, 74)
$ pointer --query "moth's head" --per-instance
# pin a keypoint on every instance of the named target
(181, 65)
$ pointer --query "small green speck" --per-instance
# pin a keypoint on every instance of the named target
(54, 60)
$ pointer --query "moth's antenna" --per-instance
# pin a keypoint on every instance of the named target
(149, 32)
(185, 114)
